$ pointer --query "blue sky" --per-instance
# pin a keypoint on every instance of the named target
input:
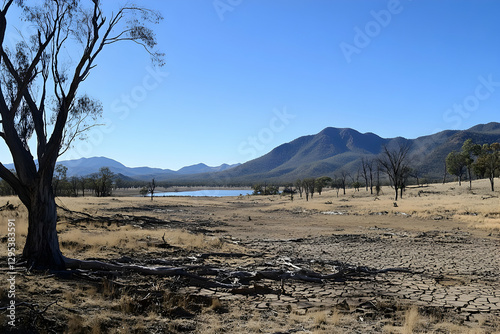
(244, 76)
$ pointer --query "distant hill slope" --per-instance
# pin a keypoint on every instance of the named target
(86, 166)
(334, 149)
(202, 168)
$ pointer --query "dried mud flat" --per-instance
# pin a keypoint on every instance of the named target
(431, 264)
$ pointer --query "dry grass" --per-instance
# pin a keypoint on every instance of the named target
(411, 320)
(20, 216)
(320, 318)
(336, 317)
(192, 241)
(126, 304)
(451, 328)
(75, 324)
(96, 241)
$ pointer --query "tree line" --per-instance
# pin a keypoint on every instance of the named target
(393, 162)
(481, 161)
(100, 184)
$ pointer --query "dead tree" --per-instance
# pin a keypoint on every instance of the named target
(151, 188)
(394, 162)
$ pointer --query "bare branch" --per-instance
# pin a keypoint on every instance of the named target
(10, 177)
(6, 7)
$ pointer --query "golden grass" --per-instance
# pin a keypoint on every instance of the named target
(457, 205)
(336, 317)
(411, 319)
(192, 241)
(320, 318)
(93, 242)
(216, 305)
(20, 216)
(95, 326)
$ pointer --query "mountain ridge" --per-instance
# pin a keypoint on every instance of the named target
(335, 149)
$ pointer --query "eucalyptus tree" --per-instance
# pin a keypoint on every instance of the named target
(322, 182)
(488, 163)
(40, 96)
(456, 165)
(469, 152)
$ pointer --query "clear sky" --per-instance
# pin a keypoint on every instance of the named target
(244, 76)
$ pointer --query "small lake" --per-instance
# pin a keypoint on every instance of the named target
(208, 192)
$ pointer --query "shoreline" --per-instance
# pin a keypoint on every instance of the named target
(126, 192)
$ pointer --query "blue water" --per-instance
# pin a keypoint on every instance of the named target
(209, 193)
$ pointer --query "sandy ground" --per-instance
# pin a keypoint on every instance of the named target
(444, 238)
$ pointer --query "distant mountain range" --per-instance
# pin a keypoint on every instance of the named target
(325, 153)
(334, 149)
(87, 166)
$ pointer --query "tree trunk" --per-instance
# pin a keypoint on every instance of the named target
(396, 188)
(371, 184)
(492, 182)
(445, 172)
(470, 178)
(41, 250)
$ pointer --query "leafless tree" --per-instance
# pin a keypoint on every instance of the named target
(394, 162)
(39, 95)
(343, 175)
(367, 166)
(298, 186)
(308, 186)
(151, 188)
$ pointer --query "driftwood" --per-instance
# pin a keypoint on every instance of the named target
(236, 281)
